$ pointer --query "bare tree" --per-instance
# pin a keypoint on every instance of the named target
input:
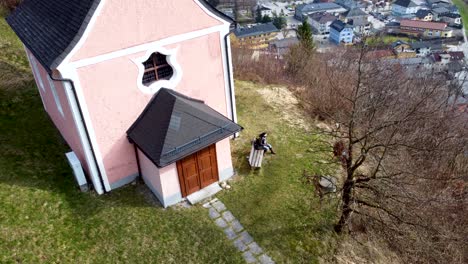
(402, 145)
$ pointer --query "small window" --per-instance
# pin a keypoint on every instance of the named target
(156, 68)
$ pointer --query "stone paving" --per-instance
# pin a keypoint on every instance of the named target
(235, 232)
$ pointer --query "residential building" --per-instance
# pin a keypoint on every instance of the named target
(448, 6)
(424, 15)
(350, 4)
(341, 33)
(321, 22)
(451, 19)
(281, 46)
(303, 10)
(403, 49)
(453, 61)
(438, 12)
(425, 29)
(131, 99)
(358, 19)
(264, 11)
(425, 48)
(255, 37)
(404, 8)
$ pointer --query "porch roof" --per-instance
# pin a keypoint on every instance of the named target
(174, 126)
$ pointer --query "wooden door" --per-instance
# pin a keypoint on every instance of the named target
(207, 166)
(198, 170)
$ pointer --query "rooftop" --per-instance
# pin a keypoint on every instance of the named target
(355, 12)
(339, 25)
(422, 13)
(285, 43)
(255, 30)
(317, 7)
(51, 29)
(174, 126)
(423, 24)
(434, 45)
(322, 18)
(405, 3)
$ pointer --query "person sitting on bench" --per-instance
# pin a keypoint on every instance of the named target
(261, 143)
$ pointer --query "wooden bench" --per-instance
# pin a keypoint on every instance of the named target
(256, 156)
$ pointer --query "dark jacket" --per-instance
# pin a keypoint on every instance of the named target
(259, 143)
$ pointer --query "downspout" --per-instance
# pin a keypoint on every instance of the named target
(138, 160)
(72, 84)
(229, 72)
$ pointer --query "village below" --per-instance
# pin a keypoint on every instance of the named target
(234, 131)
(413, 33)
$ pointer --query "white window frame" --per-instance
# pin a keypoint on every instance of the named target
(56, 97)
(155, 86)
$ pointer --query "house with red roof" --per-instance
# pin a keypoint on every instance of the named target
(426, 29)
(139, 88)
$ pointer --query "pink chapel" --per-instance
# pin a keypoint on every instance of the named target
(137, 88)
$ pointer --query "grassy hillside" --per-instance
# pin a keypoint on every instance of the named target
(45, 219)
(273, 203)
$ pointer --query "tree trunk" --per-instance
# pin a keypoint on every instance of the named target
(346, 207)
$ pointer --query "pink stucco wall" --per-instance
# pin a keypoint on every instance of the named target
(127, 23)
(114, 100)
(223, 153)
(65, 123)
(150, 174)
(164, 182)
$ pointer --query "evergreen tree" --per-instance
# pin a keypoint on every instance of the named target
(266, 19)
(304, 33)
(279, 21)
(258, 15)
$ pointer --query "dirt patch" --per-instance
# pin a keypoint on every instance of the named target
(287, 104)
(366, 251)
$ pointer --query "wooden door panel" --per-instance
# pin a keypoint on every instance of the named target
(208, 168)
(198, 170)
(190, 174)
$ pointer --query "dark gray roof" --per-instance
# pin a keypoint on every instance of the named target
(255, 30)
(434, 45)
(398, 43)
(451, 15)
(285, 43)
(264, 8)
(339, 25)
(405, 3)
(440, 10)
(317, 7)
(422, 13)
(322, 18)
(173, 126)
(355, 12)
(50, 29)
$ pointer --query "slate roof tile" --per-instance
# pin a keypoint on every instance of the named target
(174, 126)
(51, 28)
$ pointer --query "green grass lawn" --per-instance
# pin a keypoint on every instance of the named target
(387, 40)
(273, 203)
(45, 219)
(463, 8)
